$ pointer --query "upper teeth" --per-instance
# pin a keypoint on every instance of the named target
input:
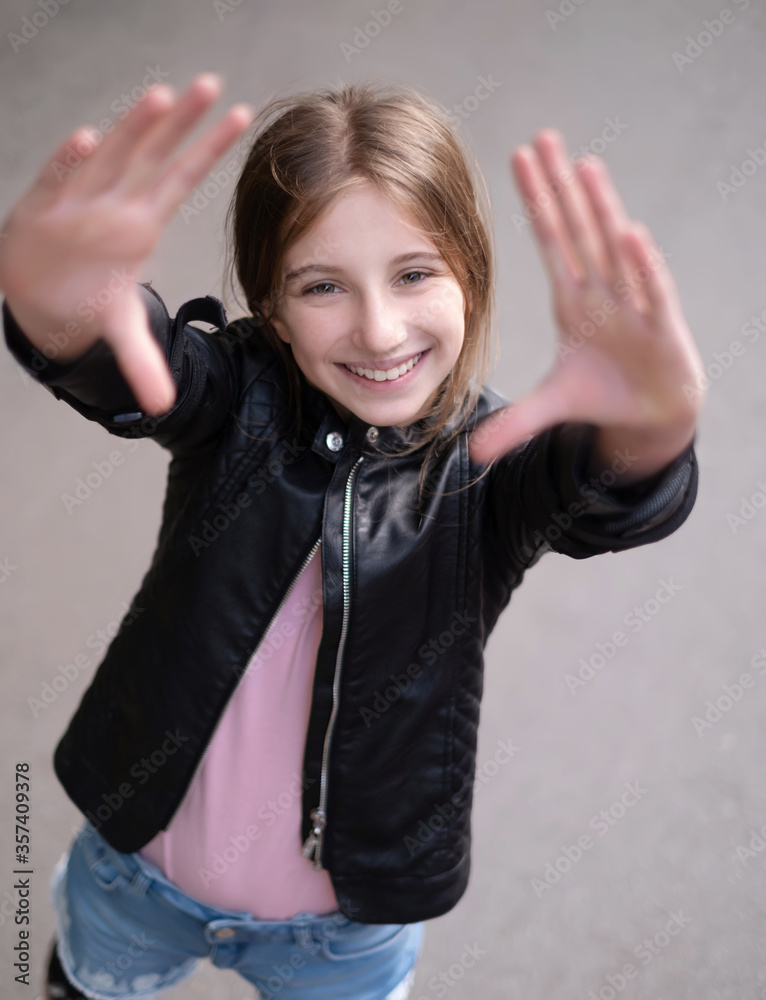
(378, 375)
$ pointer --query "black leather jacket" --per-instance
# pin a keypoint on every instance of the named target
(390, 749)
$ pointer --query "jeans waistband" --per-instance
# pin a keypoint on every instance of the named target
(222, 925)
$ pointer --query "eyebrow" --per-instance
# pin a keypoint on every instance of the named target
(402, 258)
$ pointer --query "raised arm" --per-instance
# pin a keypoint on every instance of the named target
(204, 367)
(545, 496)
(625, 353)
(77, 239)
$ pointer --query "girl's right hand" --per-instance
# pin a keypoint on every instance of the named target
(85, 235)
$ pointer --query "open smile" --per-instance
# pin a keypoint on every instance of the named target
(393, 374)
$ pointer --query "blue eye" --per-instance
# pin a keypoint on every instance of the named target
(329, 284)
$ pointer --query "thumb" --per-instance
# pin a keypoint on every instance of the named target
(507, 428)
(140, 357)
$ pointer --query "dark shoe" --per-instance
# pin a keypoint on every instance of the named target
(57, 985)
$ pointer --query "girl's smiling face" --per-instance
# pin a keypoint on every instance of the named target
(373, 314)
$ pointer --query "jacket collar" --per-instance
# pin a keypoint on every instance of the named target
(332, 434)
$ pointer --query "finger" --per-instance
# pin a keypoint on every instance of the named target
(558, 257)
(508, 428)
(143, 167)
(578, 223)
(613, 219)
(140, 358)
(186, 173)
(494, 436)
(607, 210)
(116, 148)
(660, 289)
(77, 147)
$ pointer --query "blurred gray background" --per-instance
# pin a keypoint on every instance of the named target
(688, 124)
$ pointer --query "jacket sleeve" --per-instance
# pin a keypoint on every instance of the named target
(540, 499)
(203, 366)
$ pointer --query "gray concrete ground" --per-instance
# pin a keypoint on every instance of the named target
(688, 123)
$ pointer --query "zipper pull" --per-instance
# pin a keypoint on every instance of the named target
(313, 844)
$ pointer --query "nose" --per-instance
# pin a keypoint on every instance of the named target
(379, 327)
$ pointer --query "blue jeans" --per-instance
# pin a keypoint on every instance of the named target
(125, 931)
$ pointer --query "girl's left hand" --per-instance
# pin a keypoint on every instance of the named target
(625, 352)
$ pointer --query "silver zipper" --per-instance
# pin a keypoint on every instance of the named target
(250, 659)
(314, 841)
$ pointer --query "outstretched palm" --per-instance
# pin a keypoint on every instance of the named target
(80, 238)
(625, 351)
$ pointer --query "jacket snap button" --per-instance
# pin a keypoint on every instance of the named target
(334, 441)
(225, 932)
(372, 434)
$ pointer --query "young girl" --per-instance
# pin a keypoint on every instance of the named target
(275, 758)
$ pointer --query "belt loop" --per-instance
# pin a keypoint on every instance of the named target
(303, 934)
(140, 883)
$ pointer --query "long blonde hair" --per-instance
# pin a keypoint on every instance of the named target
(305, 149)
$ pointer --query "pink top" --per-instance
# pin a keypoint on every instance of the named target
(235, 841)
